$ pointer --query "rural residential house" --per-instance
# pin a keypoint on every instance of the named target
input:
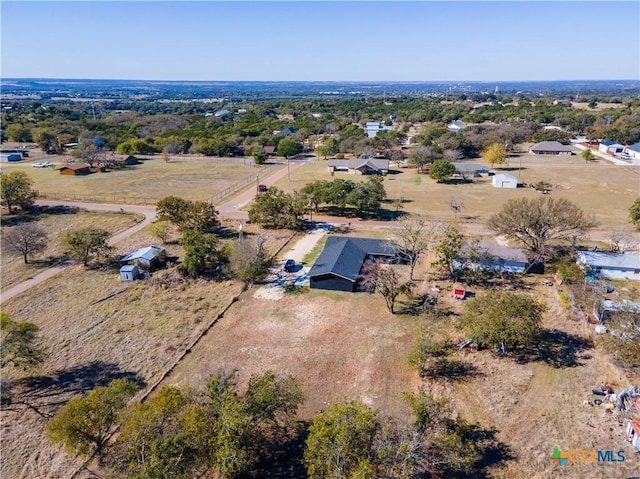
(75, 169)
(504, 181)
(147, 258)
(610, 147)
(364, 166)
(633, 151)
(456, 126)
(465, 169)
(373, 127)
(611, 265)
(338, 266)
(495, 257)
(550, 148)
(287, 131)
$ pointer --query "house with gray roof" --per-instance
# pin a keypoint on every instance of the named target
(611, 265)
(494, 257)
(465, 169)
(338, 266)
(146, 257)
(364, 166)
(550, 148)
(287, 131)
(633, 151)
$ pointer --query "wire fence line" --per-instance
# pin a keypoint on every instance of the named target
(138, 200)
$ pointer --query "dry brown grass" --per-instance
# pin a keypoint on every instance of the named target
(194, 178)
(602, 189)
(56, 226)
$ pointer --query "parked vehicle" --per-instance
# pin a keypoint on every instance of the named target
(262, 188)
(289, 265)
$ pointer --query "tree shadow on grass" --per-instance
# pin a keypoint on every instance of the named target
(556, 348)
(492, 452)
(283, 458)
(452, 369)
(75, 380)
(35, 213)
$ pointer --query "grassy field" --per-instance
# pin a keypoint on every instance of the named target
(195, 178)
(600, 188)
(56, 222)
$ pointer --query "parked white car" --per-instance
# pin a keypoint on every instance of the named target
(44, 164)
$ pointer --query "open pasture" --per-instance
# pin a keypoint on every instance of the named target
(599, 188)
(192, 178)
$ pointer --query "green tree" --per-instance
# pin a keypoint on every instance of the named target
(537, 221)
(441, 171)
(160, 230)
(86, 242)
(187, 215)
(83, 425)
(340, 442)
(259, 155)
(276, 209)
(154, 443)
(25, 239)
(497, 317)
(15, 188)
(587, 155)
(18, 344)
(47, 141)
(634, 212)
(495, 153)
(18, 133)
(201, 253)
(449, 250)
(288, 147)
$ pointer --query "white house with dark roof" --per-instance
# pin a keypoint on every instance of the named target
(611, 265)
(610, 147)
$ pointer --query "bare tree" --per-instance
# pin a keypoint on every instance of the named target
(456, 206)
(413, 237)
(248, 259)
(534, 222)
(89, 152)
(622, 239)
(384, 279)
(423, 156)
(452, 155)
(25, 239)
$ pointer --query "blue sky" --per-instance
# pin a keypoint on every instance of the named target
(317, 41)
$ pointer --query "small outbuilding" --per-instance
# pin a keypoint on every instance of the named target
(550, 148)
(456, 126)
(10, 157)
(75, 169)
(504, 181)
(129, 272)
(633, 434)
(633, 151)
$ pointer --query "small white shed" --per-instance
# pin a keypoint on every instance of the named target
(504, 181)
(129, 272)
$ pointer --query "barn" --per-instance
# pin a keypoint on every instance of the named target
(504, 181)
(75, 169)
(338, 266)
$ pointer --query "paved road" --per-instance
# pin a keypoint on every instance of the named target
(228, 209)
